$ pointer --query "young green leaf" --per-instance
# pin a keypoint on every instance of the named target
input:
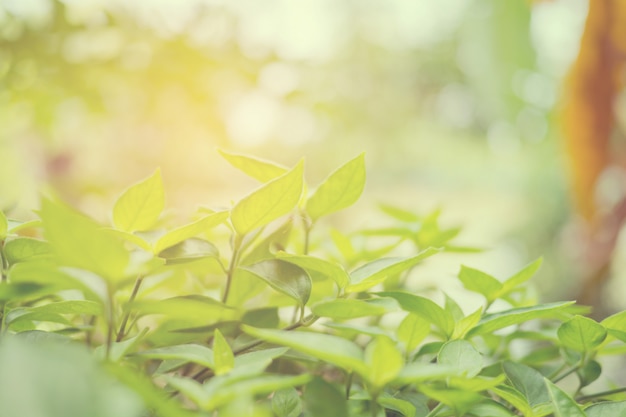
(527, 381)
(284, 277)
(286, 403)
(609, 408)
(467, 323)
(564, 405)
(520, 277)
(461, 355)
(492, 322)
(4, 226)
(343, 309)
(139, 207)
(273, 200)
(182, 233)
(24, 249)
(257, 168)
(480, 282)
(616, 325)
(324, 267)
(581, 334)
(331, 349)
(199, 354)
(384, 361)
(424, 308)
(223, 357)
(340, 189)
(412, 331)
(80, 242)
(375, 272)
(403, 407)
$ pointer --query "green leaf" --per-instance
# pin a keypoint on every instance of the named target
(564, 405)
(24, 249)
(189, 250)
(609, 408)
(528, 381)
(73, 307)
(335, 350)
(421, 372)
(4, 226)
(273, 200)
(324, 267)
(459, 400)
(193, 308)
(257, 168)
(222, 354)
(80, 242)
(396, 404)
(199, 354)
(130, 238)
(424, 308)
(182, 233)
(480, 282)
(375, 272)
(412, 331)
(322, 399)
(467, 323)
(490, 408)
(343, 309)
(616, 324)
(340, 189)
(520, 277)
(399, 213)
(255, 362)
(384, 361)
(492, 322)
(581, 334)
(286, 403)
(461, 355)
(284, 277)
(515, 398)
(589, 372)
(139, 207)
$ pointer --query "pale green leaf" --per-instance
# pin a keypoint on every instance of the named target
(520, 277)
(189, 250)
(342, 309)
(581, 334)
(24, 249)
(136, 240)
(199, 354)
(80, 242)
(422, 372)
(399, 213)
(324, 267)
(467, 323)
(616, 325)
(4, 226)
(412, 331)
(607, 409)
(461, 355)
(285, 277)
(424, 308)
(490, 408)
(253, 363)
(564, 405)
(515, 398)
(384, 361)
(182, 233)
(457, 399)
(375, 272)
(403, 407)
(528, 381)
(139, 207)
(273, 200)
(286, 403)
(331, 349)
(492, 322)
(257, 168)
(222, 354)
(323, 399)
(480, 282)
(340, 189)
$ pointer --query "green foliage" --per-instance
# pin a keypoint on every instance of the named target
(251, 311)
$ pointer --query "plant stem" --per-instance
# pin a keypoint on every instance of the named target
(435, 410)
(110, 322)
(4, 264)
(231, 266)
(133, 295)
(349, 385)
(568, 372)
(601, 394)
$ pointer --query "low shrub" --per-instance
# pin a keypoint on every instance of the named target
(262, 309)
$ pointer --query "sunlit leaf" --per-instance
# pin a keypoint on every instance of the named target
(564, 405)
(340, 189)
(273, 200)
(342, 309)
(189, 250)
(480, 282)
(190, 352)
(467, 323)
(375, 272)
(581, 333)
(324, 267)
(331, 349)
(520, 277)
(398, 213)
(412, 331)
(492, 322)
(182, 233)
(257, 168)
(616, 325)
(528, 381)
(384, 361)
(424, 308)
(24, 249)
(403, 407)
(287, 278)
(139, 207)
(222, 354)
(461, 355)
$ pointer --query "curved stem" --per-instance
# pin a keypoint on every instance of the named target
(133, 295)
(234, 260)
(601, 394)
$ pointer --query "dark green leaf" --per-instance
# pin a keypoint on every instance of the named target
(286, 403)
(322, 399)
(528, 381)
(287, 278)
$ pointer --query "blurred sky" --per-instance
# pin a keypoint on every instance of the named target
(452, 100)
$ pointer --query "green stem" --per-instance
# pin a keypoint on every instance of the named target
(565, 374)
(4, 264)
(110, 322)
(133, 295)
(349, 385)
(601, 394)
(234, 260)
(435, 410)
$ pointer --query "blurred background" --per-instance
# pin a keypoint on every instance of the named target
(455, 102)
